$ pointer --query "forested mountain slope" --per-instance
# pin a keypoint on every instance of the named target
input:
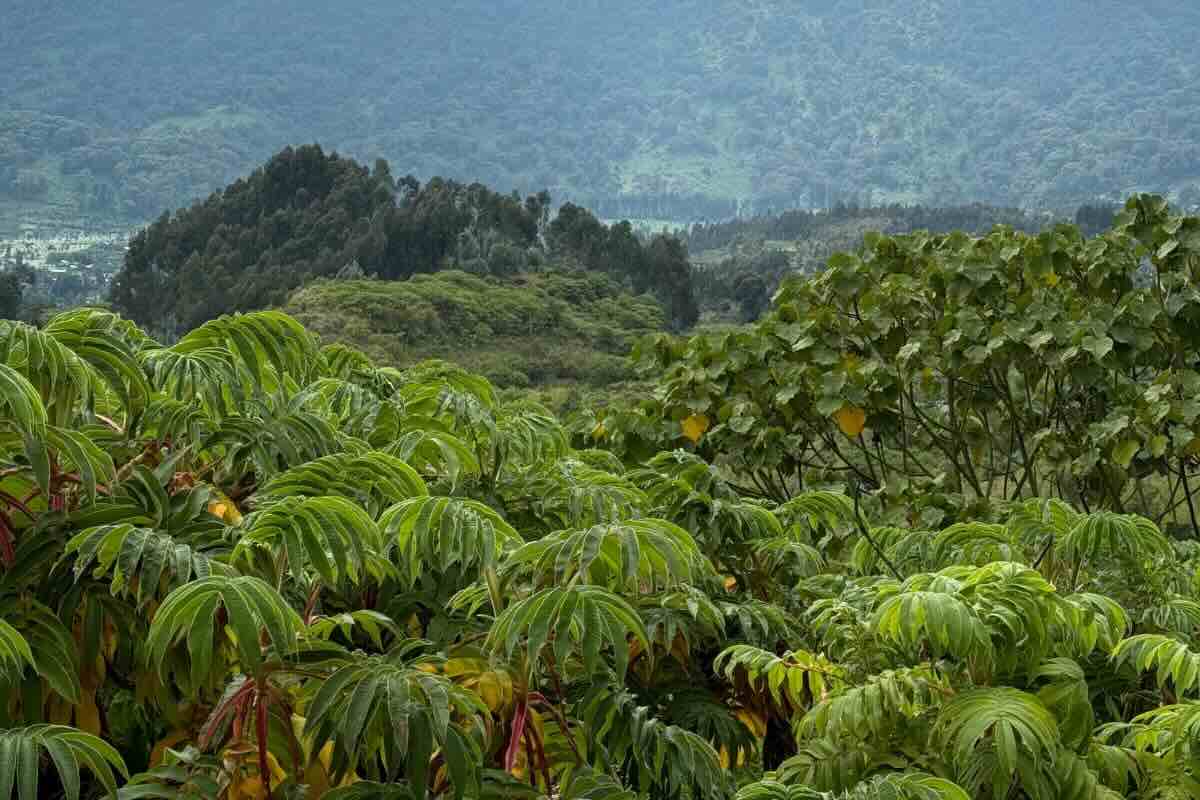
(680, 108)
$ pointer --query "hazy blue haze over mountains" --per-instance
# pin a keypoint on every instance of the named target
(677, 108)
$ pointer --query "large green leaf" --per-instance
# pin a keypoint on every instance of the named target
(250, 606)
(21, 750)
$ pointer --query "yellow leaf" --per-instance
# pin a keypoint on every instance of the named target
(248, 788)
(753, 720)
(278, 776)
(87, 715)
(599, 432)
(723, 757)
(730, 583)
(694, 427)
(851, 419)
(1052, 279)
(224, 509)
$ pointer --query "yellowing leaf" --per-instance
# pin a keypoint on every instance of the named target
(248, 788)
(87, 715)
(599, 432)
(1052, 279)
(224, 509)
(851, 420)
(754, 721)
(694, 427)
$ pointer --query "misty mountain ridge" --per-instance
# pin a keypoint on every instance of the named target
(679, 109)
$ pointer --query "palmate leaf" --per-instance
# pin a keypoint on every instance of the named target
(65, 382)
(908, 550)
(207, 377)
(667, 760)
(55, 656)
(975, 543)
(258, 340)
(579, 619)
(424, 533)
(15, 654)
(342, 361)
(138, 559)
(1003, 723)
(756, 621)
(167, 418)
(108, 344)
(821, 510)
(787, 553)
(330, 535)
(877, 707)
(896, 786)
(585, 783)
(271, 443)
(1087, 622)
(23, 412)
(794, 681)
(527, 433)
(1038, 520)
(191, 612)
(388, 708)
(370, 622)
(69, 750)
(184, 774)
(1170, 658)
(831, 766)
(1019, 606)
(1065, 693)
(1104, 534)
(374, 479)
(572, 494)
(78, 452)
(426, 385)
(941, 621)
(708, 715)
(1175, 614)
(432, 448)
(640, 555)
(684, 614)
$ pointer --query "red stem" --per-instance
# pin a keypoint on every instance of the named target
(8, 539)
(514, 741)
(17, 504)
(264, 768)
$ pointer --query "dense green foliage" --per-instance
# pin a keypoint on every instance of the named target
(738, 264)
(305, 215)
(530, 330)
(958, 372)
(247, 566)
(676, 109)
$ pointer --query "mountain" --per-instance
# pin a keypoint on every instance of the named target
(673, 108)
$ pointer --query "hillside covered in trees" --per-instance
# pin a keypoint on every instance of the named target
(673, 108)
(306, 214)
